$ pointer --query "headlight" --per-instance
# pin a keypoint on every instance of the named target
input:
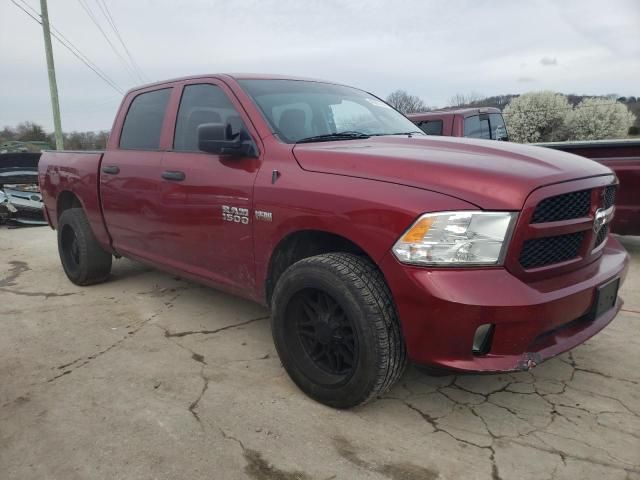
(456, 238)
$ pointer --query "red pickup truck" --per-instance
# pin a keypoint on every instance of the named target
(371, 242)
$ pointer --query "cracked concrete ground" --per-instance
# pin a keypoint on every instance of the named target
(149, 376)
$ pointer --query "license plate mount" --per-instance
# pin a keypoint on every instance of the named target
(606, 297)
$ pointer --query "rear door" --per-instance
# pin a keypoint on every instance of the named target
(130, 175)
(206, 209)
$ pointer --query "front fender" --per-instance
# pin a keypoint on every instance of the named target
(370, 214)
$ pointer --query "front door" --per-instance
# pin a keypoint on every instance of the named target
(206, 198)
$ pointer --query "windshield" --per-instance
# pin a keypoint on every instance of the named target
(313, 111)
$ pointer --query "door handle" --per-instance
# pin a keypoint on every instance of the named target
(173, 175)
(111, 169)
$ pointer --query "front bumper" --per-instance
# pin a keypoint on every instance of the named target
(440, 310)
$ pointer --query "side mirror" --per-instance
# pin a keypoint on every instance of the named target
(219, 138)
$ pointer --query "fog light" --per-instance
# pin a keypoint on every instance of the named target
(482, 339)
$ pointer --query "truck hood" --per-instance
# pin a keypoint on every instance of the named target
(490, 174)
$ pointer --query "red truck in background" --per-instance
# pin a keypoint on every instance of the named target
(371, 242)
(486, 123)
(622, 156)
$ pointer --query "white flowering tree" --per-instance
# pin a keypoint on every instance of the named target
(537, 117)
(599, 118)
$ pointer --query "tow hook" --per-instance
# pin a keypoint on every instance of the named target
(529, 361)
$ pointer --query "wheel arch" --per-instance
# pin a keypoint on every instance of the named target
(301, 244)
(66, 200)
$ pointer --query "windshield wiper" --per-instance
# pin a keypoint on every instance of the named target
(347, 135)
(397, 133)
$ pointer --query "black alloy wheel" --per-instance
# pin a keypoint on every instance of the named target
(336, 329)
(325, 331)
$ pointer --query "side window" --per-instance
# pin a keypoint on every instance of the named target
(498, 128)
(432, 127)
(477, 127)
(202, 103)
(143, 123)
(349, 115)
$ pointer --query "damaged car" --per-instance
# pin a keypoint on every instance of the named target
(20, 199)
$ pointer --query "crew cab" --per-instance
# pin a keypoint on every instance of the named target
(371, 242)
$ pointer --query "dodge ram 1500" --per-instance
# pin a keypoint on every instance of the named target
(371, 243)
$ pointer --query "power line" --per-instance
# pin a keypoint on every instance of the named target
(72, 48)
(107, 14)
(94, 19)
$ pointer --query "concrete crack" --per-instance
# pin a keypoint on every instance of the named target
(205, 386)
(17, 269)
(564, 455)
(169, 334)
(86, 360)
(39, 294)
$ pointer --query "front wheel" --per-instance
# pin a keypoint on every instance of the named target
(336, 330)
(83, 259)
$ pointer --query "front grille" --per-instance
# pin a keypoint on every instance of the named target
(602, 235)
(563, 207)
(609, 196)
(539, 252)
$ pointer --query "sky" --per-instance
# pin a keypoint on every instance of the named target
(433, 49)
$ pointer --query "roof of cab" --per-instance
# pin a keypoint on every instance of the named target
(450, 111)
(234, 76)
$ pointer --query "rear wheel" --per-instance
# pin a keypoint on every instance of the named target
(83, 259)
(336, 330)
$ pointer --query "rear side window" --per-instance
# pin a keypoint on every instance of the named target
(477, 127)
(432, 127)
(143, 123)
(200, 104)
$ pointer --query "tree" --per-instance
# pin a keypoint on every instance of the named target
(465, 100)
(29, 132)
(537, 117)
(32, 132)
(406, 103)
(599, 118)
(7, 134)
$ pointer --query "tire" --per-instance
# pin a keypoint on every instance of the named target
(83, 259)
(336, 330)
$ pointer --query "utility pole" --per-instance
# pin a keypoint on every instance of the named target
(53, 86)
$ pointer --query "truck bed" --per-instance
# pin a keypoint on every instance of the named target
(73, 176)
